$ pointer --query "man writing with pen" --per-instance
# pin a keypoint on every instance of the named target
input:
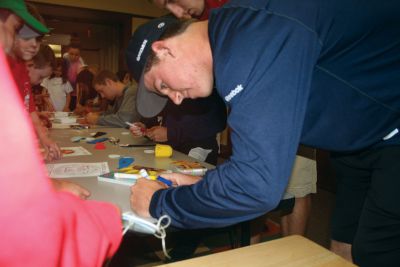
(194, 124)
(143, 174)
(123, 109)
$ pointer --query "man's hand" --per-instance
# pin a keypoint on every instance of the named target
(157, 134)
(73, 188)
(138, 129)
(141, 194)
(53, 151)
(92, 118)
(181, 179)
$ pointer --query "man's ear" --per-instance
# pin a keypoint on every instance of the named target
(108, 82)
(161, 49)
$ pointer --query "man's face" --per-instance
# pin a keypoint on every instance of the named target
(179, 75)
(10, 26)
(182, 8)
(36, 75)
(74, 54)
(26, 49)
(105, 90)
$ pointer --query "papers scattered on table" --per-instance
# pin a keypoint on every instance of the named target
(65, 120)
(61, 114)
(76, 170)
(74, 151)
(63, 125)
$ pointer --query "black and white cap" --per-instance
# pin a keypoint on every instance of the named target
(148, 104)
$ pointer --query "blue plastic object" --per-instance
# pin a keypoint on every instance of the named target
(98, 140)
(125, 162)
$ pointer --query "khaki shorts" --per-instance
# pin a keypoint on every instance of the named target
(303, 180)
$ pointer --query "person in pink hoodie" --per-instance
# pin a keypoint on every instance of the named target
(42, 227)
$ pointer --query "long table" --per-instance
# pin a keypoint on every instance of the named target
(287, 251)
(104, 191)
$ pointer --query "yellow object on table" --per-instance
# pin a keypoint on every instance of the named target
(163, 151)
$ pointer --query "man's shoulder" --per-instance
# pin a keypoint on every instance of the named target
(131, 89)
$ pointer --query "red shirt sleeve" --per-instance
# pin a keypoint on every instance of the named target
(22, 81)
(211, 4)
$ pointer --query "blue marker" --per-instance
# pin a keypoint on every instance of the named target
(98, 140)
(145, 175)
(165, 181)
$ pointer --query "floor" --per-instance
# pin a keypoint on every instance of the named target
(146, 251)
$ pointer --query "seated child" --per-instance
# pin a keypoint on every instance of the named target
(88, 100)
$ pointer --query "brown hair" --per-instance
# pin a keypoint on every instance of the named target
(101, 77)
(86, 90)
(60, 62)
(4, 13)
(45, 57)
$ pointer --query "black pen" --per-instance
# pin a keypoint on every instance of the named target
(136, 145)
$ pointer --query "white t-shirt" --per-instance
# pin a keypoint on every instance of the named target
(58, 91)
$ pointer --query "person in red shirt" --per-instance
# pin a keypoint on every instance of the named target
(30, 63)
(48, 228)
(185, 9)
(25, 47)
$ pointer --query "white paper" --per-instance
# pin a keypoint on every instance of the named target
(77, 170)
(77, 151)
(199, 153)
(62, 125)
(61, 114)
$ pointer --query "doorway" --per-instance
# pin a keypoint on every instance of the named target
(103, 35)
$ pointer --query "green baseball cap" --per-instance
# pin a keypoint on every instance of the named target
(18, 7)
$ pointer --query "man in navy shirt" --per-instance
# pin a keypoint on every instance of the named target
(322, 73)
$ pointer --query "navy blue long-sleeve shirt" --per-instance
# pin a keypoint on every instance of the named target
(325, 73)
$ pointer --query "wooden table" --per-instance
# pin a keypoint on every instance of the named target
(287, 251)
(109, 192)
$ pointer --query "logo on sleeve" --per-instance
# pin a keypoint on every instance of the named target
(234, 92)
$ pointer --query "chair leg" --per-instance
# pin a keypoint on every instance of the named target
(245, 234)
(233, 236)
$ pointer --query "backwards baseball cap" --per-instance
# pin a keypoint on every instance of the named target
(148, 104)
(18, 7)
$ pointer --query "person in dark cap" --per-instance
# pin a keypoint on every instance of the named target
(194, 124)
(320, 73)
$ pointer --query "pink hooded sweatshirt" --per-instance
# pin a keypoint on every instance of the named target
(39, 226)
